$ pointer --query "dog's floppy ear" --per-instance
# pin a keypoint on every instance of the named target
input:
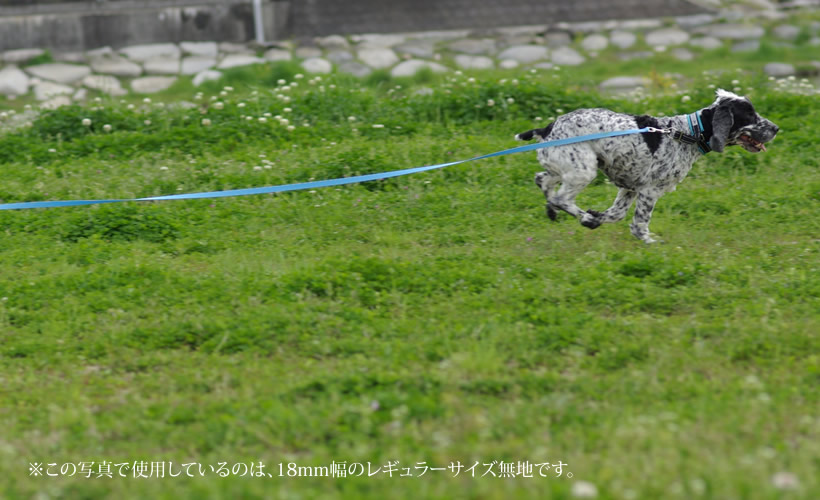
(722, 122)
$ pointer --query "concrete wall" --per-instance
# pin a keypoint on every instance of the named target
(81, 25)
(62, 25)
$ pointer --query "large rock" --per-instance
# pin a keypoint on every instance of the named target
(339, 56)
(682, 54)
(317, 65)
(474, 47)
(162, 66)
(234, 48)
(206, 76)
(13, 81)
(237, 60)
(413, 66)
(787, 32)
(525, 53)
(594, 42)
(59, 72)
(276, 54)
(21, 55)
(706, 43)
(104, 83)
(733, 31)
(115, 65)
(667, 36)
(623, 39)
(465, 61)
(620, 83)
(46, 90)
(145, 52)
(567, 56)
(333, 42)
(377, 40)
(152, 84)
(424, 49)
(192, 65)
(557, 39)
(355, 68)
(378, 57)
(307, 52)
(779, 69)
(206, 49)
(746, 46)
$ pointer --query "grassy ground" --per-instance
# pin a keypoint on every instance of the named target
(434, 320)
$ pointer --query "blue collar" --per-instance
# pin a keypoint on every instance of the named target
(696, 127)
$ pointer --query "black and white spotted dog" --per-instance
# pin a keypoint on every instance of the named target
(644, 166)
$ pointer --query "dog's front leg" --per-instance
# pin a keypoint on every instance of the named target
(647, 198)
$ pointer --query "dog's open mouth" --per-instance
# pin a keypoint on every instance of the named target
(750, 144)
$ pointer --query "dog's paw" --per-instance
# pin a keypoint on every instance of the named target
(551, 213)
(591, 219)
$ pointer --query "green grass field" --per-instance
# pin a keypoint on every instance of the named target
(438, 320)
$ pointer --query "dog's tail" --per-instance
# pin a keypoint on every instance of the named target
(529, 135)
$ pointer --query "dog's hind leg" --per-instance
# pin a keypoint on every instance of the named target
(548, 183)
(574, 178)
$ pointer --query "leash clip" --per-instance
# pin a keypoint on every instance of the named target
(658, 130)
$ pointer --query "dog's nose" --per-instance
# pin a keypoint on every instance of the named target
(776, 128)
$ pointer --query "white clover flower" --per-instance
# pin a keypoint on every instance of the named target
(249, 118)
(223, 93)
(281, 82)
(471, 80)
(306, 124)
(490, 102)
(284, 121)
(294, 84)
(219, 105)
(257, 167)
(106, 128)
(266, 115)
(286, 99)
(685, 98)
(206, 122)
(785, 481)
(538, 118)
(298, 76)
(147, 100)
(584, 489)
(228, 89)
(163, 168)
(351, 119)
(86, 122)
(735, 82)
(240, 105)
(510, 100)
(332, 86)
(147, 122)
(262, 119)
(287, 110)
(286, 88)
(52, 150)
(291, 128)
(378, 125)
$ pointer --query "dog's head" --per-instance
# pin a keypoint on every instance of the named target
(735, 122)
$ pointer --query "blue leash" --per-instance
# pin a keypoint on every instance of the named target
(325, 183)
